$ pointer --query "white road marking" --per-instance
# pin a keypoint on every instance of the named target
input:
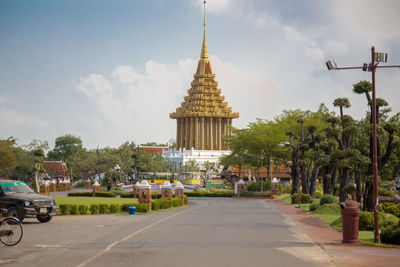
(48, 246)
(133, 234)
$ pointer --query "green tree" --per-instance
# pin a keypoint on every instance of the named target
(8, 160)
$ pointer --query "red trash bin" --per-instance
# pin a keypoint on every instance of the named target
(350, 215)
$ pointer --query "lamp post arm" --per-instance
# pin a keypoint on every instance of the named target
(388, 66)
(347, 68)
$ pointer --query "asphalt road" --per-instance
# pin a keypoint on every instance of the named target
(211, 232)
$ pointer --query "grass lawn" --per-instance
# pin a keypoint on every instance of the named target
(92, 200)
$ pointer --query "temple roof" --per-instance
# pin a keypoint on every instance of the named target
(204, 98)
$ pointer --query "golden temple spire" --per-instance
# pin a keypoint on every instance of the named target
(204, 51)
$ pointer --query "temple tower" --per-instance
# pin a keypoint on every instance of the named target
(203, 118)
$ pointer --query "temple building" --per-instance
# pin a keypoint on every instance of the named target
(203, 118)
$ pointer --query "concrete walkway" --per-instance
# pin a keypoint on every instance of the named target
(330, 240)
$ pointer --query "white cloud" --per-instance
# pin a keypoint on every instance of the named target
(11, 119)
(135, 106)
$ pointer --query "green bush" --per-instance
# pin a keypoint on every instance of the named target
(155, 204)
(314, 206)
(349, 189)
(255, 194)
(142, 207)
(295, 198)
(84, 209)
(64, 209)
(104, 208)
(94, 209)
(305, 199)
(210, 194)
(394, 209)
(90, 194)
(185, 200)
(318, 194)
(256, 186)
(385, 192)
(127, 195)
(164, 203)
(105, 194)
(391, 234)
(366, 221)
(115, 208)
(176, 202)
(156, 196)
(327, 199)
(74, 209)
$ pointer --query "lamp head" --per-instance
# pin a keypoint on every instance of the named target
(330, 65)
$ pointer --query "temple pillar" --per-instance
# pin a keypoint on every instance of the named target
(178, 132)
(190, 141)
(187, 133)
(196, 133)
(202, 133)
(182, 129)
(219, 133)
(211, 134)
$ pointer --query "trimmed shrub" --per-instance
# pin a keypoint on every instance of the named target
(74, 209)
(142, 207)
(314, 206)
(305, 199)
(156, 196)
(349, 189)
(155, 204)
(391, 234)
(366, 221)
(127, 195)
(114, 208)
(256, 194)
(295, 198)
(84, 209)
(94, 209)
(385, 192)
(104, 208)
(176, 202)
(287, 190)
(318, 194)
(64, 209)
(327, 199)
(393, 209)
(105, 194)
(185, 200)
(117, 190)
(164, 203)
(90, 194)
(210, 194)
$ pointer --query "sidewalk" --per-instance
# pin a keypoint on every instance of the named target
(330, 240)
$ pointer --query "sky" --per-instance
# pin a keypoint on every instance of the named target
(112, 71)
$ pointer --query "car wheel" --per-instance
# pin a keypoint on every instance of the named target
(44, 218)
(13, 212)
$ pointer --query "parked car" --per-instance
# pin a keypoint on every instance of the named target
(21, 202)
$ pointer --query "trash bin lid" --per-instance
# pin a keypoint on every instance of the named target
(350, 204)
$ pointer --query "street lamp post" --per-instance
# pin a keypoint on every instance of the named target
(372, 67)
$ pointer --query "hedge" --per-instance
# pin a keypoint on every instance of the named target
(90, 194)
(157, 204)
(327, 199)
(209, 194)
(255, 194)
(301, 198)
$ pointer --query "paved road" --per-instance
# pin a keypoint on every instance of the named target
(211, 232)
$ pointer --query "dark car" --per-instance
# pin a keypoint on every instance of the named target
(21, 202)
